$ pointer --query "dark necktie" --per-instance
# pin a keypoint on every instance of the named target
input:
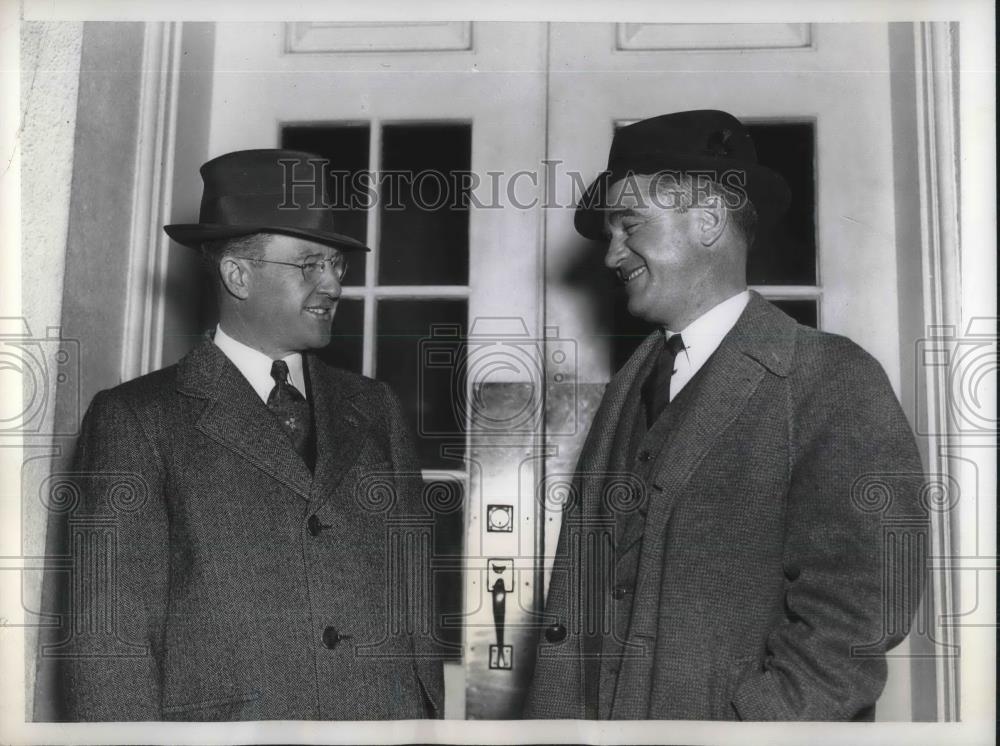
(292, 410)
(656, 389)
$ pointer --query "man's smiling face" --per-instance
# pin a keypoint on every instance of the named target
(650, 247)
(285, 312)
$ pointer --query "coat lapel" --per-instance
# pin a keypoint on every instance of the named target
(237, 419)
(596, 453)
(761, 340)
(341, 424)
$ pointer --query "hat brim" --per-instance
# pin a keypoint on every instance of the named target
(766, 189)
(193, 235)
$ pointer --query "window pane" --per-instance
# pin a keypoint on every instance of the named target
(424, 204)
(426, 372)
(803, 311)
(786, 254)
(346, 341)
(346, 147)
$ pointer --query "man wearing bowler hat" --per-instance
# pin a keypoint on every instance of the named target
(725, 556)
(252, 575)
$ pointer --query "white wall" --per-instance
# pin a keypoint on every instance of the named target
(50, 73)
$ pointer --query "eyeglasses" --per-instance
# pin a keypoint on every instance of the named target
(312, 272)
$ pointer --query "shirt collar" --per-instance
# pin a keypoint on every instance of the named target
(703, 336)
(256, 366)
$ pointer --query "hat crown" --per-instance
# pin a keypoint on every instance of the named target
(704, 141)
(246, 172)
(706, 133)
(265, 191)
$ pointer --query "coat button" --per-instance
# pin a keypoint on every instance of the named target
(315, 525)
(619, 592)
(645, 456)
(555, 633)
(330, 638)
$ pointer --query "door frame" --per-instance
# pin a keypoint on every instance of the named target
(938, 306)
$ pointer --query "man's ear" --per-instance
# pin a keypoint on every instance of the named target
(712, 220)
(235, 277)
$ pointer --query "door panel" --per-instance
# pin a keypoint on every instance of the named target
(445, 308)
(807, 91)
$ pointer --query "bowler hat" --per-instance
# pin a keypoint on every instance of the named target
(686, 142)
(264, 191)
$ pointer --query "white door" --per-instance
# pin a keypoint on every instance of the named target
(818, 101)
(446, 307)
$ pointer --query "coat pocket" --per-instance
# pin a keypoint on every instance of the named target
(242, 706)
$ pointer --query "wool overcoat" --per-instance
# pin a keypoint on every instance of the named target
(218, 578)
(777, 530)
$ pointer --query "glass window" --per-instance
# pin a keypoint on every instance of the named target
(346, 147)
(785, 254)
(420, 354)
(424, 217)
(415, 278)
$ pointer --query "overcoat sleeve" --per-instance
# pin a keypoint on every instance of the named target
(856, 478)
(118, 538)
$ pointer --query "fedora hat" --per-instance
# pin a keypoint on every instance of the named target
(258, 191)
(686, 142)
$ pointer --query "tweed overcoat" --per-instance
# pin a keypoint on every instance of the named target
(242, 586)
(767, 584)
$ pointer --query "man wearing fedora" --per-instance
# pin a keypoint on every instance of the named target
(252, 574)
(744, 573)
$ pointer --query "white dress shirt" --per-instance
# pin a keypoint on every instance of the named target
(702, 337)
(256, 366)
